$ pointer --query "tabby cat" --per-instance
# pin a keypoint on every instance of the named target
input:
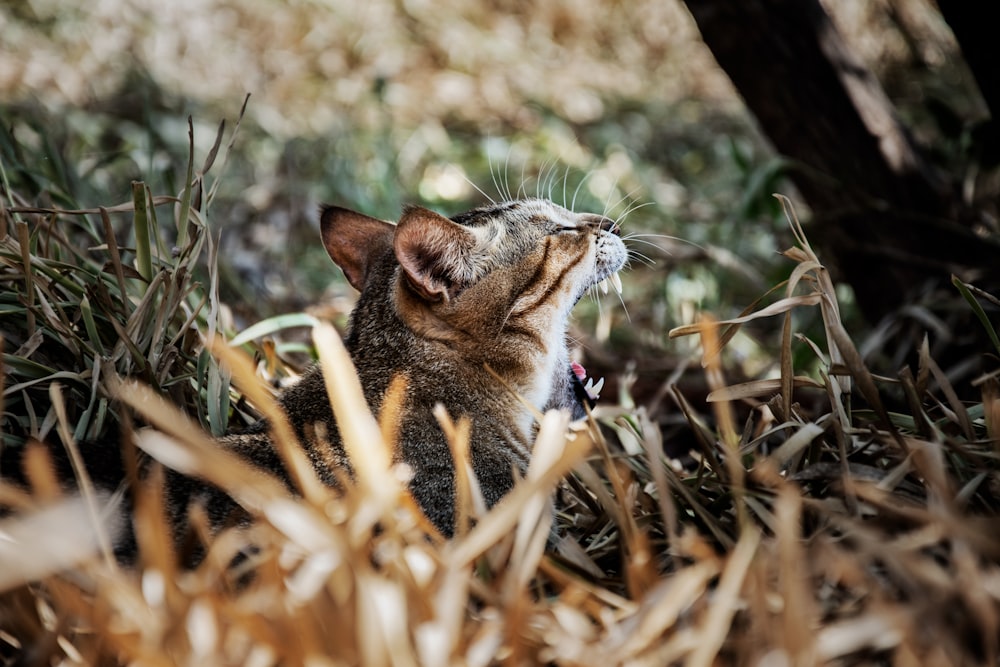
(447, 303)
(472, 311)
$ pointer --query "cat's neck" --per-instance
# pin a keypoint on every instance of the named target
(455, 366)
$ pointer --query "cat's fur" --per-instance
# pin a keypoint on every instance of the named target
(473, 311)
(447, 303)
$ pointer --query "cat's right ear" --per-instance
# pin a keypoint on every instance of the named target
(433, 252)
(353, 240)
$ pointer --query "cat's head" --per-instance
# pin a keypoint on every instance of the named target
(495, 284)
(541, 248)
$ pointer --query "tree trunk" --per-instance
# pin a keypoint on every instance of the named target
(885, 219)
(976, 36)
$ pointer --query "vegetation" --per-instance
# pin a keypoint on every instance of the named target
(784, 484)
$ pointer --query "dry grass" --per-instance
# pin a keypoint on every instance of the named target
(830, 527)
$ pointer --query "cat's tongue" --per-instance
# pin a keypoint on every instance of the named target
(579, 371)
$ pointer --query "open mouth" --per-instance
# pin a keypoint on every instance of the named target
(592, 388)
(614, 279)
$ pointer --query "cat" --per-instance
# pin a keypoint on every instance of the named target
(473, 311)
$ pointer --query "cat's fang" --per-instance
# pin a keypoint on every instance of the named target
(593, 389)
(604, 285)
(616, 282)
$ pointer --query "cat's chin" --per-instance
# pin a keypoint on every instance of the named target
(603, 285)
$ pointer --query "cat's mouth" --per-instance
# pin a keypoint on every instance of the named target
(591, 390)
(614, 280)
(610, 259)
(602, 287)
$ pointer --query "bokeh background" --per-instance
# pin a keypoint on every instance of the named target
(613, 106)
(845, 517)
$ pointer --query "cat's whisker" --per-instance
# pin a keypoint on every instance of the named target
(574, 341)
(611, 192)
(504, 185)
(633, 241)
(553, 178)
(621, 300)
(630, 210)
(616, 282)
(521, 192)
(495, 177)
(565, 183)
(645, 260)
(478, 189)
(625, 197)
(579, 185)
(542, 178)
(642, 238)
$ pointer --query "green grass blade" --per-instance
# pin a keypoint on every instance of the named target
(273, 324)
(143, 256)
(978, 310)
(91, 326)
(185, 209)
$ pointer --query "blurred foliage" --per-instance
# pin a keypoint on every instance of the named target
(607, 106)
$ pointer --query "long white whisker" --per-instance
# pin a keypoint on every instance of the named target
(521, 191)
(621, 300)
(550, 180)
(565, 179)
(626, 196)
(506, 173)
(538, 178)
(631, 209)
(641, 238)
(478, 189)
(611, 192)
(646, 260)
(630, 243)
(579, 185)
(541, 184)
(495, 176)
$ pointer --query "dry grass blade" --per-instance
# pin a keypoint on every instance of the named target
(759, 388)
(82, 476)
(468, 496)
(776, 308)
(284, 438)
(362, 437)
(507, 513)
(724, 415)
(532, 530)
(46, 541)
(726, 602)
(183, 446)
(826, 533)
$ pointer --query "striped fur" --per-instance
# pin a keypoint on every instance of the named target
(448, 303)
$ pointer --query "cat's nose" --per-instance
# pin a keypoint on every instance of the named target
(605, 224)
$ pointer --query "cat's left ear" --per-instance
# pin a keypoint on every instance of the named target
(353, 240)
(433, 252)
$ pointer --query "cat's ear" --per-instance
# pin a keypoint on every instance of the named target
(433, 252)
(353, 240)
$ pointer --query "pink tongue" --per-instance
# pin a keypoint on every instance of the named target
(579, 371)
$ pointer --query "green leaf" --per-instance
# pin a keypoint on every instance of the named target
(966, 292)
(143, 257)
(273, 324)
(91, 326)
